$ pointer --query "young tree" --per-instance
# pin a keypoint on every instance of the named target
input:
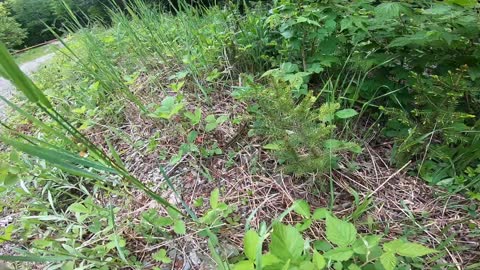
(11, 32)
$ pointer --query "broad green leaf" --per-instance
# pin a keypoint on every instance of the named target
(244, 265)
(388, 260)
(302, 226)
(393, 245)
(307, 265)
(302, 208)
(346, 113)
(220, 120)
(7, 234)
(322, 245)
(214, 198)
(269, 259)
(339, 254)
(194, 117)
(318, 261)
(168, 108)
(287, 243)
(179, 227)
(363, 244)
(211, 126)
(320, 213)
(340, 232)
(286, 266)
(390, 10)
(413, 250)
(250, 244)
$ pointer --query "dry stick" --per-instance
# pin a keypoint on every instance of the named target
(388, 179)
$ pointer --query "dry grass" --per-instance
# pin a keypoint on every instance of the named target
(251, 180)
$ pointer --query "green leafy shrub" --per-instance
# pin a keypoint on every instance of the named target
(439, 128)
(342, 248)
(299, 131)
(374, 47)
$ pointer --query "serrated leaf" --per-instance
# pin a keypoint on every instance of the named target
(287, 243)
(388, 261)
(220, 120)
(302, 208)
(318, 261)
(393, 245)
(250, 244)
(363, 244)
(168, 108)
(390, 10)
(210, 126)
(179, 227)
(194, 117)
(339, 254)
(320, 213)
(414, 250)
(340, 232)
(7, 234)
(346, 113)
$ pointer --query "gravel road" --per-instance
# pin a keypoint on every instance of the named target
(7, 90)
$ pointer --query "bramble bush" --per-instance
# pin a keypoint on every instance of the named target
(413, 62)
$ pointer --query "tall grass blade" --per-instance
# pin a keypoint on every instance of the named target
(19, 79)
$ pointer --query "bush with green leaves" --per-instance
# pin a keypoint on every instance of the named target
(11, 32)
(299, 130)
(375, 47)
(440, 128)
(342, 248)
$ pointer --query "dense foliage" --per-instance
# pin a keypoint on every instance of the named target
(413, 64)
(11, 33)
(172, 133)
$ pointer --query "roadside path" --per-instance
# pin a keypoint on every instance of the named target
(7, 90)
